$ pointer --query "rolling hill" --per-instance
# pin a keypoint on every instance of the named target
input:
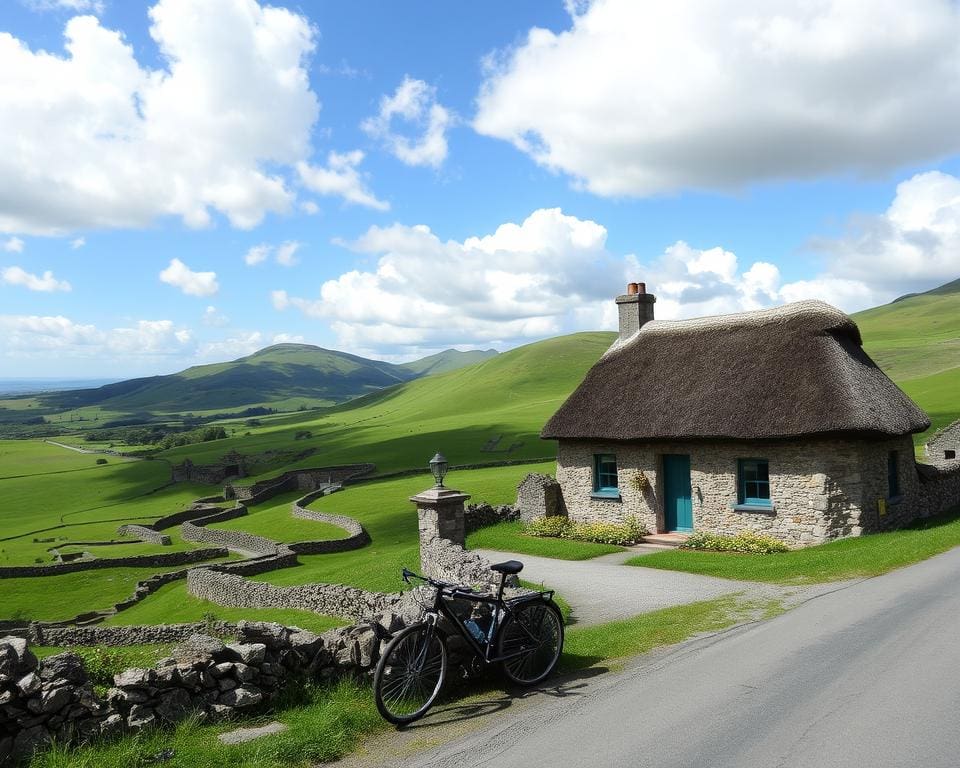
(273, 376)
(486, 412)
(916, 340)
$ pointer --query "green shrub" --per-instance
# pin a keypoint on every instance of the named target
(745, 541)
(557, 526)
(101, 461)
(629, 532)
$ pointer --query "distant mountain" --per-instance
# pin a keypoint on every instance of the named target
(448, 360)
(274, 376)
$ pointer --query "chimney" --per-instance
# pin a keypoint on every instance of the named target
(636, 309)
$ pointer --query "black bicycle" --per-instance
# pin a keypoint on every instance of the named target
(523, 634)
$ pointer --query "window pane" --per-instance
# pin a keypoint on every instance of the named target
(754, 485)
(605, 471)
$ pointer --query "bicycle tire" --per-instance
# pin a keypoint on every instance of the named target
(537, 623)
(410, 674)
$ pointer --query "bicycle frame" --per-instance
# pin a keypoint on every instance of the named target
(502, 610)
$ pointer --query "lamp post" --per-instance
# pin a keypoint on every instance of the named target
(440, 515)
(438, 468)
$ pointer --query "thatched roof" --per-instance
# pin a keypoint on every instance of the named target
(795, 370)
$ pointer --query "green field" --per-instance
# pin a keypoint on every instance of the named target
(917, 343)
(384, 509)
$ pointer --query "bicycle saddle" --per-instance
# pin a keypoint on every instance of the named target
(508, 567)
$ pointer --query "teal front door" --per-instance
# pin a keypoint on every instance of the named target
(677, 508)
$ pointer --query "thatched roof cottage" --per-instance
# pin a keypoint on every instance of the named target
(774, 420)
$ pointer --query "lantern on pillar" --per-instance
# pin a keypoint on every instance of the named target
(438, 467)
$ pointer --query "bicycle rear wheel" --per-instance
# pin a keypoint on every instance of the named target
(533, 637)
(410, 674)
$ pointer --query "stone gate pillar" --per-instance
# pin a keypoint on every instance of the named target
(440, 515)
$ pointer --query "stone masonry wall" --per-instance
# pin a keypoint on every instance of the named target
(152, 634)
(228, 539)
(144, 533)
(947, 439)
(481, 515)
(539, 495)
(134, 561)
(821, 489)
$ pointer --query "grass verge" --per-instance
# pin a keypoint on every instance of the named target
(324, 723)
(857, 557)
(586, 646)
(509, 537)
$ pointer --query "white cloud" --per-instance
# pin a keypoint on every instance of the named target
(78, 242)
(191, 283)
(341, 178)
(524, 281)
(640, 98)
(257, 254)
(214, 317)
(309, 207)
(30, 335)
(233, 347)
(46, 283)
(913, 246)
(73, 6)
(287, 338)
(12, 245)
(283, 254)
(414, 102)
(102, 141)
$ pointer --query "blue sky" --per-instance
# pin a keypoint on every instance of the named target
(186, 181)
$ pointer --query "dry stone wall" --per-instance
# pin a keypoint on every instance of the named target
(144, 533)
(151, 634)
(164, 560)
(228, 539)
(55, 699)
(539, 495)
(481, 515)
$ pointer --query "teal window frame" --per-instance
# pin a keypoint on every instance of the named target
(605, 480)
(893, 474)
(751, 483)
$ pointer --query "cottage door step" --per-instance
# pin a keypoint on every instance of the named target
(673, 540)
(677, 506)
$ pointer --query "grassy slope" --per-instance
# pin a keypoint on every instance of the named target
(385, 511)
(449, 360)
(916, 341)
(509, 396)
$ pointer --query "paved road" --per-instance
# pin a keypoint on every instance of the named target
(602, 589)
(867, 675)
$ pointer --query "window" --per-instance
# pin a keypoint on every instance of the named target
(948, 454)
(605, 475)
(893, 476)
(753, 482)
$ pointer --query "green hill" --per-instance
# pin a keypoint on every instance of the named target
(490, 411)
(916, 340)
(448, 360)
(274, 376)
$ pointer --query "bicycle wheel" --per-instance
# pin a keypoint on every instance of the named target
(410, 674)
(534, 632)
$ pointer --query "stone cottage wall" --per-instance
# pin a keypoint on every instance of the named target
(947, 439)
(821, 489)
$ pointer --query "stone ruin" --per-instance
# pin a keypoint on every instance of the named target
(539, 495)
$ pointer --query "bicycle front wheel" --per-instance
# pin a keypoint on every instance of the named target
(532, 638)
(410, 674)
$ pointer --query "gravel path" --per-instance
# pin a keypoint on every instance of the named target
(603, 589)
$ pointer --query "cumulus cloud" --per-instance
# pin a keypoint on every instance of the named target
(12, 245)
(46, 283)
(73, 6)
(101, 140)
(78, 242)
(415, 104)
(27, 335)
(912, 246)
(342, 178)
(214, 317)
(241, 345)
(521, 282)
(643, 98)
(283, 254)
(191, 283)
